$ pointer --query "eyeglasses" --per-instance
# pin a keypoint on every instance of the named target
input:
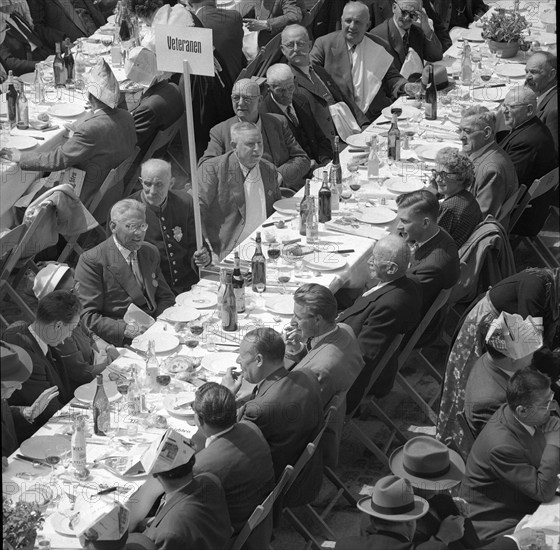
(468, 131)
(413, 14)
(301, 45)
(75, 287)
(135, 227)
(551, 404)
(505, 106)
(247, 98)
(446, 175)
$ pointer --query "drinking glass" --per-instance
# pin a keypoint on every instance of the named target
(284, 276)
(259, 287)
(486, 74)
(345, 195)
(415, 89)
(273, 252)
(163, 380)
(53, 454)
(355, 186)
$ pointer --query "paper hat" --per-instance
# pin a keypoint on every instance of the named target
(427, 464)
(48, 278)
(141, 66)
(393, 499)
(169, 452)
(173, 15)
(514, 336)
(15, 363)
(101, 521)
(102, 84)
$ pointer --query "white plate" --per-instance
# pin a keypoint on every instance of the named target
(66, 110)
(61, 524)
(86, 393)
(360, 140)
(177, 364)
(218, 363)
(511, 70)
(198, 301)
(377, 214)
(171, 401)
(180, 314)
(407, 112)
(396, 185)
(287, 206)
(20, 142)
(428, 152)
(37, 446)
(164, 342)
(282, 305)
(27, 78)
(324, 261)
(472, 35)
(490, 94)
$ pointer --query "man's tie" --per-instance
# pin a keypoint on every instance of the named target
(405, 41)
(308, 344)
(291, 114)
(352, 55)
(133, 263)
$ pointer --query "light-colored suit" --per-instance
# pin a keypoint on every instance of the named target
(222, 199)
(547, 111)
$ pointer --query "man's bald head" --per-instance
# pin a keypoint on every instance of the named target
(156, 180)
(355, 21)
(390, 258)
(246, 99)
(519, 105)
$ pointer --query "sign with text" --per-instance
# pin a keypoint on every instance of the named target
(177, 44)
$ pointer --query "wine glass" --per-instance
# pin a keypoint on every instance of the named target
(273, 252)
(259, 287)
(355, 186)
(345, 195)
(284, 276)
(524, 46)
(163, 380)
(486, 74)
(53, 454)
(415, 89)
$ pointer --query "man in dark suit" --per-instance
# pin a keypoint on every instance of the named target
(238, 454)
(281, 100)
(531, 148)
(121, 271)
(359, 63)
(237, 190)
(382, 312)
(459, 13)
(407, 29)
(315, 83)
(227, 34)
(514, 463)
(280, 146)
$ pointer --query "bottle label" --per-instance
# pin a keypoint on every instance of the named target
(239, 299)
(430, 111)
(101, 420)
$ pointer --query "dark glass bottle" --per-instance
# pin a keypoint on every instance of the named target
(394, 139)
(238, 283)
(258, 265)
(304, 208)
(68, 58)
(430, 103)
(59, 68)
(12, 99)
(325, 200)
(229, 307)
(336, 168)
(101, 409)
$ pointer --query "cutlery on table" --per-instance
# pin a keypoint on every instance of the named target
(136, 351)
(269, 224)
(490, 86)
(34, 461)
(346, 251)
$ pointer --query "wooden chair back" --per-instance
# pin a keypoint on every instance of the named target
(510, 205)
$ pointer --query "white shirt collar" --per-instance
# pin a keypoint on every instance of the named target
(212, 438)
(257, 124)
(283, 108)
(401, 31)
(316, 339)
(418, 245)
(44, 347)
(124, 251)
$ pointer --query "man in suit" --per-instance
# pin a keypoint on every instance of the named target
(280, 146)
(331, 352)
(459, 13)
(514, 463)
(406, 30)
(281, 100)
(495, 179)
(238, 454)
(382, 312)
(531, 148)
(237, 190)
(58, 314)
(227, 34)
(542, 77)
(359, 63)
(103, 139)
(274, 16)
(121, 271)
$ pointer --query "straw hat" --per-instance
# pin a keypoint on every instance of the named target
(48, 278)
(428, 464)
(393, 499)
(102, 84)
(15, 363)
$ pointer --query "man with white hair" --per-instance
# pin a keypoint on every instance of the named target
(495, 179)
(121, 271)
(281, 100)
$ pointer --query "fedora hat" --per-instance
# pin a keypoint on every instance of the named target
(440, 76)
(48, 278)
(15, 363)
(393, 499)
(427, 463)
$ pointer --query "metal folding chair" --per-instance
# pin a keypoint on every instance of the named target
(510, 205)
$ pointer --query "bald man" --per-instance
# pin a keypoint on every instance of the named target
(541, 76)
(280, 146)
(389, 308)
(531, 148)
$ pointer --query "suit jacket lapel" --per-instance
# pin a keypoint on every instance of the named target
(363, 301)
(149, 276)
(71, 13)
(235, 180)
(339, 51)
(395, 40)
(267, 145)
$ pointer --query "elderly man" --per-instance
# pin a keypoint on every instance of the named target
(514, 463)
(359, 64)
(237, 190)
(280, 146)
(100, 141)
(238, 454)
(121, 271)
(409, 36)
(495, 179)
(170, 220)
(281, 100)
(331, 353)
(531, 149)
(382, 312)
(542, 77)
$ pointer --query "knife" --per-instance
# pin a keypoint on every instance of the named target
(346, 251)
(490, 86)
(137, 351)
(268, 224)
(33, 460)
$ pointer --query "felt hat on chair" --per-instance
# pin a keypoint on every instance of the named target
(428, 464)
(440, 77)
(15, 363)
(102, 84)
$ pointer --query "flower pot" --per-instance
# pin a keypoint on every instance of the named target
(508, 49)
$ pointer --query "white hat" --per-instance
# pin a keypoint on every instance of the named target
(171, 451)
(141, 66)
(102, 84)
(101, 521)
(48, 278)
(177, 15)
(514, 336)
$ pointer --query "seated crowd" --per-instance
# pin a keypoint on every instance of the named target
(269, 143)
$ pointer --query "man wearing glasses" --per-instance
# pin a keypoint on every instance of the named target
(514, 463)
(121, 271)
(409, 36)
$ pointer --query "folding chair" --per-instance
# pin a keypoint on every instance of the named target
(510, 205)
(268, 54)
(310, 16)
(468, 436)
(262, 511)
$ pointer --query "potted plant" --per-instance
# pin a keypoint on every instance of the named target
(20, 522)
(504, 30)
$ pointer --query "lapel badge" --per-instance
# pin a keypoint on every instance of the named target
(155, 283)
(153, 275)
(177, 233)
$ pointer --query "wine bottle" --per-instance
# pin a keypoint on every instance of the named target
(336, 168)
(59, 68)
(78, 443)
(430, 103)
(238, 283)
(221, 286)
(134, 396)
(335, 193)
(258, 265)
(23, 109)
(373, 160)
(152, 365)
(101, 409)
(125, 31)
(11, 99)
(466, 65)
(229, 307)
(68, 59)
(312, 224)
(116, 50)
(325, 200)
(38, 89)
(304, 208)
(79, 65)
(394, 139)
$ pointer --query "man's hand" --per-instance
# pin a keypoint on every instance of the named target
(40, 404)
(132, 330)
(551, 430)
(424, 23)
(202, 257)
(452, 528)
(232, 380)
(10, 154)
(256, 24)
(112, 353)
(410, 89)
